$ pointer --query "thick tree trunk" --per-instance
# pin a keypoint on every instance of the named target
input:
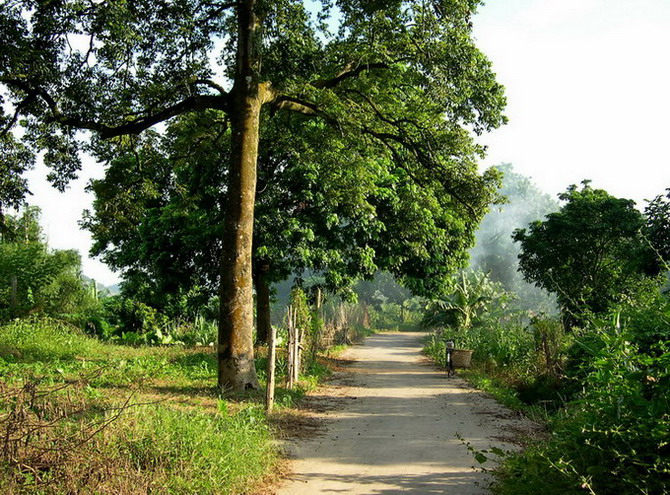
(262, 304)
(235, 351)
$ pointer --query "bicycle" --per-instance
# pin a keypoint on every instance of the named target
(448, 362)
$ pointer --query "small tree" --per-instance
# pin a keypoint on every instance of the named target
(472, 295)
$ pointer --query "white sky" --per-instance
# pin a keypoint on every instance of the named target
(588, 85)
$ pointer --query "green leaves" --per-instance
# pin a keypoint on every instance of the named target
(590, 253)
(34, 279)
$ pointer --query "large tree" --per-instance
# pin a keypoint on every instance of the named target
(320, 205)
(119, 68)
(590, 253)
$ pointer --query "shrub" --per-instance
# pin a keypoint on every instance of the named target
(134, 321)
(613, 438)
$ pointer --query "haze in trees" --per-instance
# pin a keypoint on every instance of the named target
(119, 68)
(496, 253)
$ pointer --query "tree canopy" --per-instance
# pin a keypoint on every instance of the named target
(319, 205)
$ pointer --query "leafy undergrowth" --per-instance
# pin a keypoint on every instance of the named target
(490, 383)
(608, 437)
(81, 416)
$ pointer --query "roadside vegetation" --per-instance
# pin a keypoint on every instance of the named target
(79, 415)
(597, 371)
(82, 415)
(101, 393)
(329, 146)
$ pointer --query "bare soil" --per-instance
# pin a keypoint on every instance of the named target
(391, 422)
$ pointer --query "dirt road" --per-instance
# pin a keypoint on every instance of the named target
(392, 423)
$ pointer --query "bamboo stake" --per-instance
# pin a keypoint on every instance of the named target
(290, 323)
(270, 389)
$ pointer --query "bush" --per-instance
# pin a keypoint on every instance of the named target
(613, 438)
(134, 322)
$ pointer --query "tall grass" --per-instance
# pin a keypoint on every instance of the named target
(45, 339)
(82, 416)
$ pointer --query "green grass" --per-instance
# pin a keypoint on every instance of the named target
(170, 432)
(195, 452)
(119, 419)
(494, 387)
(46, 340)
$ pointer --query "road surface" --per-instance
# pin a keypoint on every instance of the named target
(393, 423)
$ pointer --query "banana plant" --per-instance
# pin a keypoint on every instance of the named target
(471, 294)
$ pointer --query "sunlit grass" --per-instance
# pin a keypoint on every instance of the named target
(176, 434)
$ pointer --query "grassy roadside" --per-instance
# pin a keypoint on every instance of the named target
(81, 416)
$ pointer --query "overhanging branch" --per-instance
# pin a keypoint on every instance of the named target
(349, 71)
(134, 126)
(189, 104)
(386, 138)
(291, 104)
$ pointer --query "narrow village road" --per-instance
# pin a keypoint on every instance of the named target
(392, 424)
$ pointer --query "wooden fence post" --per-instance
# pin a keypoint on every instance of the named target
(270, 389)
(290, 355)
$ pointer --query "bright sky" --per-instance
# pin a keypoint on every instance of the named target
(588, 85)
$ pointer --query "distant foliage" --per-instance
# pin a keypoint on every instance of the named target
(473, 294)
(496, 253)
(657, 227)
(35, 279)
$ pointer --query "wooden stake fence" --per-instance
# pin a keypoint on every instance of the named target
(270, 390)
(294, 346)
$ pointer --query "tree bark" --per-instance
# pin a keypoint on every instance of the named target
(263, 323)
(236, 368)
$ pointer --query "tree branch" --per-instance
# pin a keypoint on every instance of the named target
(291, 104)
(349, 71)
(188, 104)
(211, 84)
(279, 101)
(384, 137)
(219, 9)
